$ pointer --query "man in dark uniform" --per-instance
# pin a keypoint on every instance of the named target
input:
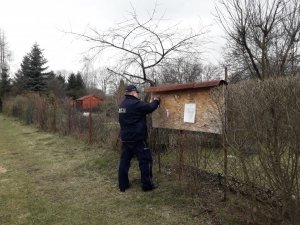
(132, 119)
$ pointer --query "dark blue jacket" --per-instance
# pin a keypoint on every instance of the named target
(132, 118)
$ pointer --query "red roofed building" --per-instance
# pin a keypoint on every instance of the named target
(89, 101)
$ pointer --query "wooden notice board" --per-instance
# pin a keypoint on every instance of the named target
(188, 107)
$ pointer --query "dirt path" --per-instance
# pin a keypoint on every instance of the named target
(48, 179)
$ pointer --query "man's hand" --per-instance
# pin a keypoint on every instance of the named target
(157, 98)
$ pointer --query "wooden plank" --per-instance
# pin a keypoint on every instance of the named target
(171, 112)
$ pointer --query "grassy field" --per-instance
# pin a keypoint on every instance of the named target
(50, 179)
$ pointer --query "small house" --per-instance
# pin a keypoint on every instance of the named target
(88, 102)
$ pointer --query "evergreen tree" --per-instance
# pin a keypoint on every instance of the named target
(51, 75)
(71, 82)
(19, 82)
(4, 82)
(79, 82)
(32, 70)
(56, 85)
(61, 79)
(75, 87)
(25, 66)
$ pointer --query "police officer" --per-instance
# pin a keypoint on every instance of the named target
(132, 119)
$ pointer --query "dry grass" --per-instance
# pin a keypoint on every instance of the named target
(49, 179)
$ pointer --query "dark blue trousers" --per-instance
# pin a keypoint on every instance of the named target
(144, 157)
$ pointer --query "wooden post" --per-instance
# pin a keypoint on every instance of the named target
(224, 126)
(69, 117)
(159, 161)
(90, 124)
(181, 159)
(159, 151)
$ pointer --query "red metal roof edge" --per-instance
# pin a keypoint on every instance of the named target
(87, 96)
(187, 86)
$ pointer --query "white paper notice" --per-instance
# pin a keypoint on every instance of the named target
(189, 113)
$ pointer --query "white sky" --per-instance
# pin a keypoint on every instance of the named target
(28, 21)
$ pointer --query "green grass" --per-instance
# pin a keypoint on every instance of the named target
(50, 179)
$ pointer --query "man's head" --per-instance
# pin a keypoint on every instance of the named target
(131, 90)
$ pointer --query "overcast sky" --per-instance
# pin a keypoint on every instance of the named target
(41, 21)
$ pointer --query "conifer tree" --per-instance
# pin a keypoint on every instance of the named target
(71, 82)
(33, 70)
(4, 82)
(18, 84)
(75, 87)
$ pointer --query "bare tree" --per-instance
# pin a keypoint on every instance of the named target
(212, 72)
(181, 70)
(140, 45)
(5, 53)
(263, 36)
(89, 74)
(185, 70)
(102, 80)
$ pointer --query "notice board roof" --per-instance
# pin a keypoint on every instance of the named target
(187, 86)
